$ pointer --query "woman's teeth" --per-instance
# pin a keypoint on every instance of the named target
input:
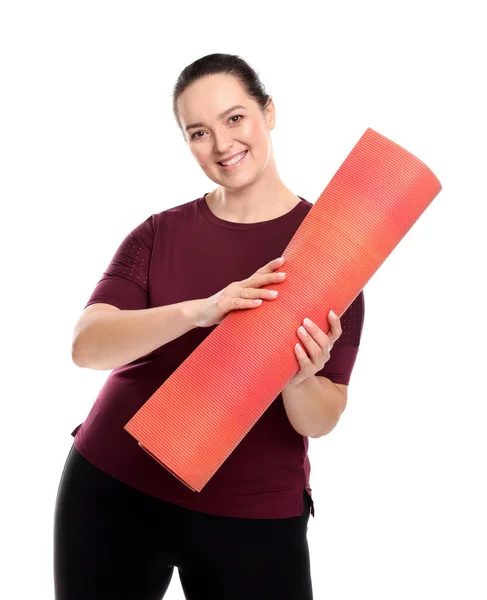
(234, 160)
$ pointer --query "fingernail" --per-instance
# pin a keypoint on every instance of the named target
(333, 314)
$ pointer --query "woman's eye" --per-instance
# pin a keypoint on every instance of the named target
(195, 135)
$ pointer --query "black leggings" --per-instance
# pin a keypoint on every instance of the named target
(112, 541)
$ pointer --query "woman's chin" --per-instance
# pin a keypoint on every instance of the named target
(235, 182)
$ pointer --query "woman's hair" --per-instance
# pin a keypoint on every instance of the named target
(211, 64)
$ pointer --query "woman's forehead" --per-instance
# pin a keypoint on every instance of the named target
(211, 97)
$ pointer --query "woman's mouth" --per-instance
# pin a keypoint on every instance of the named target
(235, 162)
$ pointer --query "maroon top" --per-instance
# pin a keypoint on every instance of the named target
(184, 253)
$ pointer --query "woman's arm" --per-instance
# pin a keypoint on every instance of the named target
(106, 337)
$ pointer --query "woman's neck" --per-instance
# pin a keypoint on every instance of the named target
(251, 205)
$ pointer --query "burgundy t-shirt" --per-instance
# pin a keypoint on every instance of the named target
(184, 253)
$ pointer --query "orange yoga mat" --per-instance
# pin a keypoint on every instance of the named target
(199, 415)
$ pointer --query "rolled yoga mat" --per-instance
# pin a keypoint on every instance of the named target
(199, 415)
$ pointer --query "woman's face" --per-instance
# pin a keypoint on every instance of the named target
(215, 133)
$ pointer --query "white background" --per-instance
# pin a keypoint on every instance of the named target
(89, 149)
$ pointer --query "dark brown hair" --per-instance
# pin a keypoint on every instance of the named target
(211, 64)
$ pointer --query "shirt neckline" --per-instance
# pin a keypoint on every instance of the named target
(210, 216)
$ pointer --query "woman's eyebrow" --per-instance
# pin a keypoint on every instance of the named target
(221, 116)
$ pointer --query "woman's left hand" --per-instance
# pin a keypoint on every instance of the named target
(315, 347)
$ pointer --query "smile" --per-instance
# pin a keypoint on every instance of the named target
(235, 162)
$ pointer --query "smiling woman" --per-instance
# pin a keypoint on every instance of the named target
(226, 116)
(172, 279)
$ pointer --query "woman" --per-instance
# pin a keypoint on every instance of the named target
(122, 521)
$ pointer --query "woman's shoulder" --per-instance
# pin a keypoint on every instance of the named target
(178, 210)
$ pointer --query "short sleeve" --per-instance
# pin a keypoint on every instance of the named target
(124, 282)
(344, 352)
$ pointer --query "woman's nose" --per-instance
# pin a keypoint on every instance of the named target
(222, 144)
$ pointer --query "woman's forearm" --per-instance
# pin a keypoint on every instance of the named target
(314, 406)
(111, 338)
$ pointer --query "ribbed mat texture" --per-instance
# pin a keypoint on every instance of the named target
(199, 415)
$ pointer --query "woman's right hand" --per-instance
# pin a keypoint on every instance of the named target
(240, 294)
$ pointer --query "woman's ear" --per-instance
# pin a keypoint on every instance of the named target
(270, 113)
